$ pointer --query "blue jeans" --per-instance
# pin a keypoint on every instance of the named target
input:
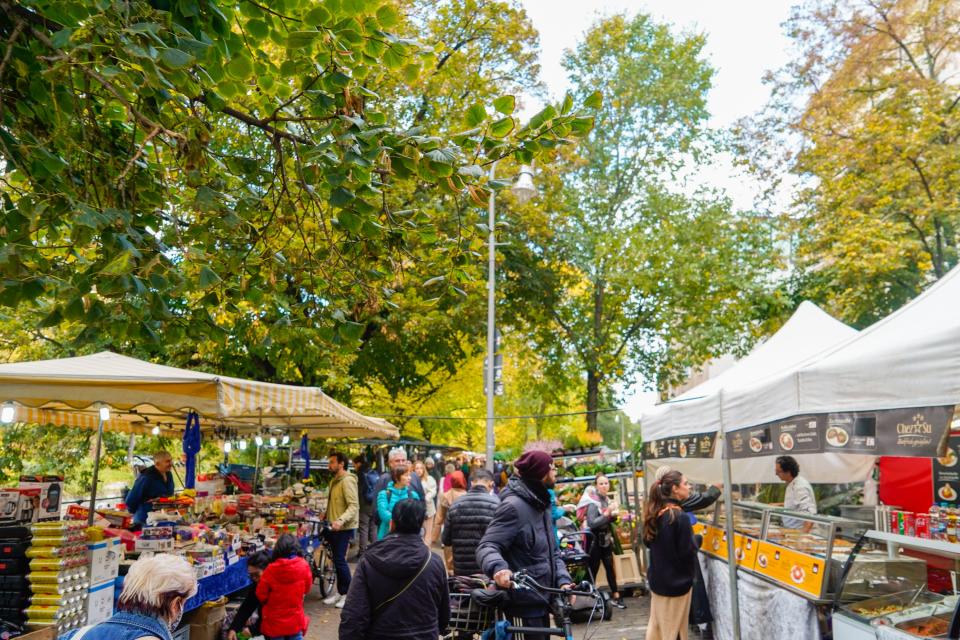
(340, 541)
(297, 636)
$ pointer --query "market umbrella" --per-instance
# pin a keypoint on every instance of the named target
(108, 391)
(191, 447)
(305, 454)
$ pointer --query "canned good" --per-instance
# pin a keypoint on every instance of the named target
(909, 524)
(923, 525)
(41, 614)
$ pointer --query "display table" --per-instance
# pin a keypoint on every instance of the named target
(233, 579)
(767, 612)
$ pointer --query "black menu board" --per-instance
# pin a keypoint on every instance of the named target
(697, 445)
(913, 432)
(946, 474)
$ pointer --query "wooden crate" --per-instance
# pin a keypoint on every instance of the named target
(626, 567)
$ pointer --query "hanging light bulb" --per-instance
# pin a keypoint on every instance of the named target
(8, 413)
(104, 413)
(243, 445)
(227, 447)
(286, 439)
(259, 441)
(155, 431)
(273, 441)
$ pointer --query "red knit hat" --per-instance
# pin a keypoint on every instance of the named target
(533, 465)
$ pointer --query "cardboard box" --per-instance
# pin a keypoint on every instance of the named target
(183, 633)
(9, 506)
(51, 494)
(158, 546)
(208, 613)
(29, 500)
(104, 560)
(206, 621)
(44, 633)
(100, 602)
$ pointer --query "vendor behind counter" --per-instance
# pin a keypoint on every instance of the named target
(152, 483)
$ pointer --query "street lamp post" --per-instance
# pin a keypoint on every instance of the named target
(523, 190)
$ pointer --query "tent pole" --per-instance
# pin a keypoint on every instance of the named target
(731, 547)
(96, 471)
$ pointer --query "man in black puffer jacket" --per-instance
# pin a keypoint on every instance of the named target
(399, 589)
(522, 536)
(467, 521)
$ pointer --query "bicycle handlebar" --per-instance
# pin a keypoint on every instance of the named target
(523, 580)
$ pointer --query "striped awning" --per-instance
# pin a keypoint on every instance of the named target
(143, 396)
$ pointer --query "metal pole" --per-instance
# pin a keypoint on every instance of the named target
(731, 550)
(491, 320)
(96, 470)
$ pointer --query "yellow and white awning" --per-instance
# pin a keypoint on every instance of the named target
(143, 395)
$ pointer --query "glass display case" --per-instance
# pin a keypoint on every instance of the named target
(885, 590)
(749, 518)
(800, 552)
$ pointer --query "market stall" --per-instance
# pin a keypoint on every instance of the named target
(57, 566)
(684, 434)
(578, 469)
(889, 391)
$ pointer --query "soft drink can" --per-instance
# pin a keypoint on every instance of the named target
(909, 524)
(923, 525)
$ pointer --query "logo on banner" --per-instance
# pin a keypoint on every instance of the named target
(917, 433)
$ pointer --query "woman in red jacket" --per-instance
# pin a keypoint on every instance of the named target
(282, 587)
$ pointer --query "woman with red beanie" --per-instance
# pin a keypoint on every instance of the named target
(458, 489)
(282, 587)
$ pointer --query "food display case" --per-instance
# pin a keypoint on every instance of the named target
(884, 591)
(802, 553)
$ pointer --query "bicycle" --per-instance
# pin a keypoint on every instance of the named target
(480, 610)
(319, 552)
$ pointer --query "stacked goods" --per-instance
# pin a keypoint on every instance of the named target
(58, 575)
(14, 588)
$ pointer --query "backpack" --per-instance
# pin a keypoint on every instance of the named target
(370, 479)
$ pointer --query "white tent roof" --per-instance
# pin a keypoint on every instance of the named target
(909, 359)
(143, 395)
(808, 332)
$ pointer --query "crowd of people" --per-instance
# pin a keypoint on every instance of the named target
(487, 524)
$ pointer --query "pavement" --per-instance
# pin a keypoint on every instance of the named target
(625, 624)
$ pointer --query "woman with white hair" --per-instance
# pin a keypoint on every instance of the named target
(151, 603)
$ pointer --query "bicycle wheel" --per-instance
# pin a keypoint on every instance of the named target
(323, 571)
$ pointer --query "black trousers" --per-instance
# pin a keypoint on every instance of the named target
(603, 555)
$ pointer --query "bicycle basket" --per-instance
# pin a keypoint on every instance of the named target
(465, 613)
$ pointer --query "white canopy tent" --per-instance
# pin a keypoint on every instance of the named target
(808, 333)
(909, 359)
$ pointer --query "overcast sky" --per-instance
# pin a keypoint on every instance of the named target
(744, 40)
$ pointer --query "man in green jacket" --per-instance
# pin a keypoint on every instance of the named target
(343, 514)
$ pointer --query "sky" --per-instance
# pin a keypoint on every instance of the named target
(744, 40)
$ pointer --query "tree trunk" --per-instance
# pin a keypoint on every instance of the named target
(593, 399)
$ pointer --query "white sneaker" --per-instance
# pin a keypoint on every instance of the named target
(341, 602)
(331, 599)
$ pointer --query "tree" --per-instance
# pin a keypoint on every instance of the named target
(213, 180)
(866, 119)
(633, 277)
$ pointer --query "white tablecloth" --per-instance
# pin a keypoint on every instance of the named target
(767, 612)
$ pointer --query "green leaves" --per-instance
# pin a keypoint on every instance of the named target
(175, 58)
(475, 115)
(505, 104)
(593, 101)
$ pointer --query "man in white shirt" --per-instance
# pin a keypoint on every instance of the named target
(799, 495)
